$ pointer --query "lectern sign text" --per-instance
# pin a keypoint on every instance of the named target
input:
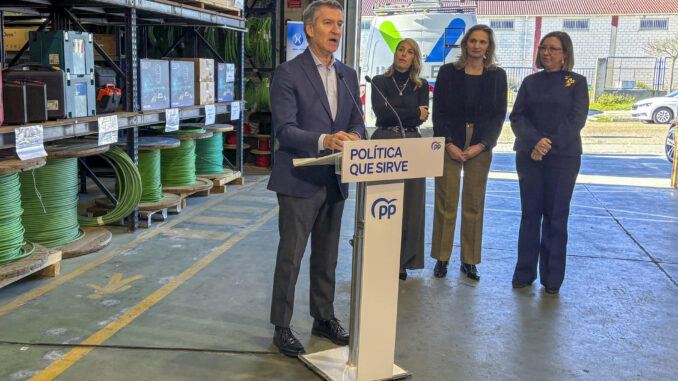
(390, 159)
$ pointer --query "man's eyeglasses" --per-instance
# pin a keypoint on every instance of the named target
(550, 49)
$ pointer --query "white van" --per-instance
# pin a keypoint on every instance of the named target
(438, 36)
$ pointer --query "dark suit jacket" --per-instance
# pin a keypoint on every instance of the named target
(449, 119)
(301, 113)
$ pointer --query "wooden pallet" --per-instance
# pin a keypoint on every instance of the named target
(222, 6)
(220, 180)
(42, 263)
(202, 187)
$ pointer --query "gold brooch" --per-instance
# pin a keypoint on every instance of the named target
(569, 81)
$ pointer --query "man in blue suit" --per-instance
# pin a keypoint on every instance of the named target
(313, 115)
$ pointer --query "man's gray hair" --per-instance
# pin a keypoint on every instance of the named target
(310, 13)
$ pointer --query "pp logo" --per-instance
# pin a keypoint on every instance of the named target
(383, 208)
(298, 39)
(435, 146)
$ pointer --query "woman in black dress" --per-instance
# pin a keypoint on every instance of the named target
(547, 119)
(409, 95)
(469, 109)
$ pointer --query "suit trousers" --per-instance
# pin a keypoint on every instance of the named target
(447, 189)
(320, 217)
(414, 215)
(546, 189)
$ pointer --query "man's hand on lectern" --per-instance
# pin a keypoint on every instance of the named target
(336, 141)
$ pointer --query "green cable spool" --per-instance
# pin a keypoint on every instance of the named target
(128, 188)
(49, 196)
(209, 155)
(149, 169)
(11, 229)
(177, 167)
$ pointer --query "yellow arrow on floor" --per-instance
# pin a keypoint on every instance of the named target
(115, 284)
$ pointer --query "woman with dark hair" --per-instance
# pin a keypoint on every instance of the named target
(469, 109)
(409, 95)
(547, 119)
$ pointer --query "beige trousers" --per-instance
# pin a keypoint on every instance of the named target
(472, 206)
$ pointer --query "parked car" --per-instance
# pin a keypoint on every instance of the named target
(657, 110)
(670, 142)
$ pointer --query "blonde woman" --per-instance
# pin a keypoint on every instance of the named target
(409, 95)
(469, 108)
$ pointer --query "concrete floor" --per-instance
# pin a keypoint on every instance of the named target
(202, 284)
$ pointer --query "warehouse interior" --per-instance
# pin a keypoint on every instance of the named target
(139, 236)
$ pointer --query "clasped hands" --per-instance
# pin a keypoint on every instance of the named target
(541, 149)
(336, 141)
(463, 156)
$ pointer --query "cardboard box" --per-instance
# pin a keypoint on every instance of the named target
(204, 93)
(204, 68)
(108, 43)
(225, 82)
(154, 84)
(16, 38)
(182, 88)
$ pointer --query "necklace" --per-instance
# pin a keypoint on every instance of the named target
(400, 91)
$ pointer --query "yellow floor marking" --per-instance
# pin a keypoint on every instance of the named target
(74, 355)
(115, 284)
(197, 234)
(65, 278)
(270, 200)
(239, 209)
(210, 220)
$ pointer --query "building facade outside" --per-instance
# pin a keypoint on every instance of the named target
(599, 29)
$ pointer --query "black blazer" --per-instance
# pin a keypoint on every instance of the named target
(449, 97)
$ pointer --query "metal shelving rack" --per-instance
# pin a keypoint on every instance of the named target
(252, 10)
(131, 16)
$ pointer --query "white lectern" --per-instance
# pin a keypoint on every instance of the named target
(378, 166)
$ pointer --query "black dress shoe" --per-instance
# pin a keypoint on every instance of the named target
(403, 274)
(287, 343)
(440, 271)
(520, 285)
(330, 329)
(551, 291)
(470, 271)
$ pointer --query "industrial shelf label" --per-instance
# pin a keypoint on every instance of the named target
(210, 114)
(235, 110)
(108, 129)
(171, 119)
(29, 142)
(238, 4)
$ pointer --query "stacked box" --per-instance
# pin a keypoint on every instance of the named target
(225, 82)
(182, 85)
(69, 50)
(204, 79)
(154, 84)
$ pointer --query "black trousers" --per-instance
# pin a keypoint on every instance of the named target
(546, 189)
(320, 217)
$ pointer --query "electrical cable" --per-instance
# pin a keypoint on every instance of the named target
(149, 169)
(209, 155)
(11, 230)
(177, 167)
(128, 188)
(49, 196)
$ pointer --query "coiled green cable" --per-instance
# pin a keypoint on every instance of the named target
(149, 169)
(177, 167)
(11, 229)
(128, 188)
(49, 196)
(209, 155)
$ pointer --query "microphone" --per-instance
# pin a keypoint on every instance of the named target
(360, 110)
(400, 123)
